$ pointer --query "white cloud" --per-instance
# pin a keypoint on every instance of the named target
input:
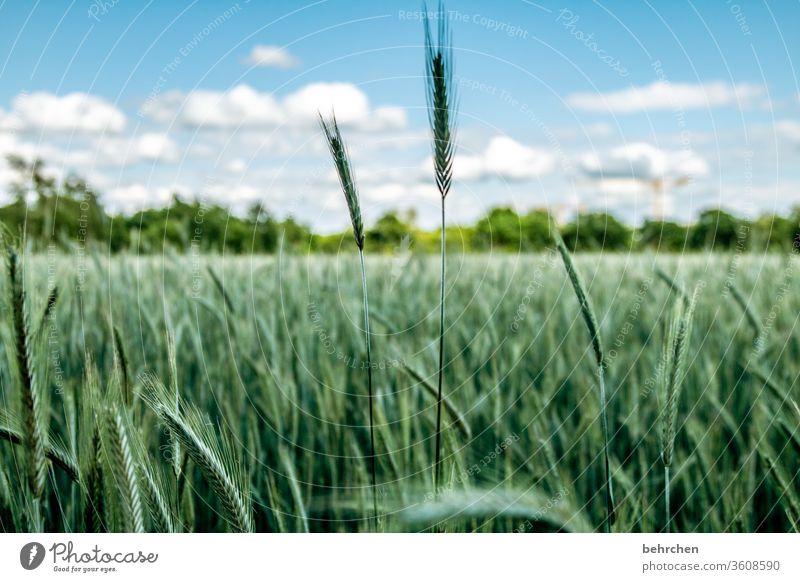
(244, 107)
(272, 56)
(643, 162)
(387, 117)
(236, 166)
(75, 112)
(402, 194)
(236, 196)
(116, 151)
(131, 198)
(592, 131)
(7, 122)
(348, 101)
(503, 158)
(664, 96)
(789, 129)
(155, 147)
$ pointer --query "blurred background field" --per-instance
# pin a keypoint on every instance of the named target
(271, 349)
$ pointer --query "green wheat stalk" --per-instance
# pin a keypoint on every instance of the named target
(119, 452)
(91, 457)
(590, 320)
(172, 359)
(49, 308)
(672, 284)
(121, 363)
(674, 367)
(221, 288)
(752, 319)
(54, 453)
(214, 456)
(32, 413)
(94, 511)
(441, 98)
(341, 160)
(157, 500)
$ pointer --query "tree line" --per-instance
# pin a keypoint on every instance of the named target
(68, 213)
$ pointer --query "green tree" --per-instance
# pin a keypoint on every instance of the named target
(536, 230)
(663, 235)
(387, 233)
(500, 229)
(266, 229)
(596, 231)
(771, 232)
(718, 230)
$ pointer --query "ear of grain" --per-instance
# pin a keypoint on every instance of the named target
(48, 312)
(55, 453)
(118, 450)
(214, 456)
(32, 412)
(94, 507)
(174, 387)
(121, 360)
(157, 493)
(441, 97)
(91, 453)
(341, 161)
(120, 446)
(441, 100)
(674, 367)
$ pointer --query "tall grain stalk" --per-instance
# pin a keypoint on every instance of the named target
(216, 457)
(119, 452)
(673, 374)
(441, 116)
(341, 161)
(590, 320)
(32, 414)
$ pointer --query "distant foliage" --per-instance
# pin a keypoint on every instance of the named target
(69, 214)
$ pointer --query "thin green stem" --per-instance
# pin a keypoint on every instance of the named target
(438, 455)
(610, 515)
(666, 498)
(371, 396)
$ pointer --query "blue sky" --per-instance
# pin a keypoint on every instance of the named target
(571, 105)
